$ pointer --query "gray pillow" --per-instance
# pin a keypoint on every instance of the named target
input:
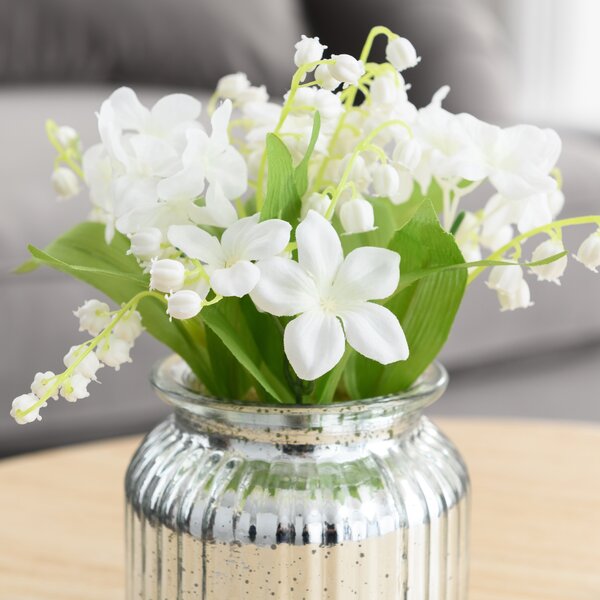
(171, 42)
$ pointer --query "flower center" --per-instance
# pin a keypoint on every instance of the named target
(329, 305)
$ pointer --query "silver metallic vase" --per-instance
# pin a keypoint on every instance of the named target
(358, 500)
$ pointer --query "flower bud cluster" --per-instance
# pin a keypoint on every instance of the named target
(114, 337)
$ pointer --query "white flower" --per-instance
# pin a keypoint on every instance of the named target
(317, 202)
(401, 54)
(168, 119)
(255, 94)
(386, 181)
(75, 388)
(67, 136)
(167, 275)
(505, 279)
(130, 327)
(212, 159)
(94, 316)
(408, 154)
(346, 68)
(42, 383)
(88, 366)
(22, 403)
(405, 188)
(552, 271)
(145, 243)
(231, 86)
(308, 50)
(518, 298)
(184, 304)
(114, 352)
(357, 216)
(467, 237)
(388, 89)
(229, 261)
(325, 79)
(327, 291)
(589, 252)
(511, 287)
(65, 183)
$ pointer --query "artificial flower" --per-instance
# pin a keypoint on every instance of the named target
(167, 275)
(229, 262)
(589, 252)
(93, 316)
(184, 304)
(552, 271)
(332, 297)
(65, 183)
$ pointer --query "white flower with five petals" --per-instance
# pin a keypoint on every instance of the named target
(229, 262)
(331, 295)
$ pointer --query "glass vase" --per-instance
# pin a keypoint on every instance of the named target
(354, 500)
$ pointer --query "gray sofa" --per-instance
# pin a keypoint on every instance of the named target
(60, 58)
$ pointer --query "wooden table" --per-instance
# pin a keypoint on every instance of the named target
(536, 515)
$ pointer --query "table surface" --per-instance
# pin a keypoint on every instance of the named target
(535, 522)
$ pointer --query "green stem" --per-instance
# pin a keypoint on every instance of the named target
(285, 111)
(361, 147)
(516, 242)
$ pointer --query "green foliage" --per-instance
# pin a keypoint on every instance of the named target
(426, 307)
(285, 184)
(282, 200)
(301, 171)
(83, 254)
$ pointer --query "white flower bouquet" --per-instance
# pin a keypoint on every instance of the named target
(298, 252)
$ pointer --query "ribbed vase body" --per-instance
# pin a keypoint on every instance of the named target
(360, 500)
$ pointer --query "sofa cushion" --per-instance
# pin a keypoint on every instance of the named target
(182, 42)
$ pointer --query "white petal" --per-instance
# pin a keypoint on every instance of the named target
(319, 248)
(284, 288)
(229, 170)
(219, 211)
(375, 332)
(219, 123)
(237, 280)
(174, 109)
(129, 112)
(155, 155)
(367, 274)
(187, 183)
(314, 343)
(247, 239)
(196, 243)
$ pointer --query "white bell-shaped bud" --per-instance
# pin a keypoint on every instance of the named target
(552, 271)
(75, 388)
(167, 275)
(114, 352)
(346, 68)
(589, 252)
(42, 383)
(65, 183)
(401, 54)
(22, 403)
(145, 243)
(386, 181)
(184, 304)
(308, 50)
(520, 297)
(407, 154)
(325, 79)
(94, 316)
(357, 216)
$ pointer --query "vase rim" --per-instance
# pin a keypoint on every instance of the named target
(172, 378)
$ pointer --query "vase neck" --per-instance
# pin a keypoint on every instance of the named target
(339, 423)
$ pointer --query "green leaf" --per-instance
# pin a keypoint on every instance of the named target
(83, 253)
(426, 307)
(256, 341)
(282, 200)
(27, 267)
(301, 171)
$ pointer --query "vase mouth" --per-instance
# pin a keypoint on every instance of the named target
(379, 417)
(172, 377)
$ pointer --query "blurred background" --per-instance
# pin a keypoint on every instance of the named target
(506, 61)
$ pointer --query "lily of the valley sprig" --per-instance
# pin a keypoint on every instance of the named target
(308, 250)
